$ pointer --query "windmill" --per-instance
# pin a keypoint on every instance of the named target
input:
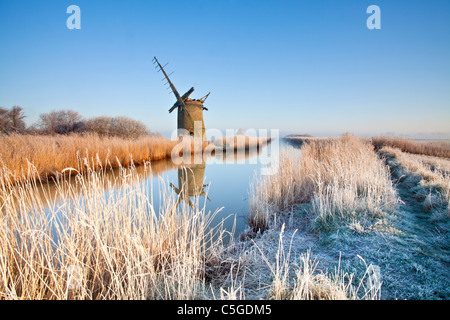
(190, 184)
(190, 111)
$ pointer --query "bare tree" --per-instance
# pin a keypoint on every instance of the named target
(117, 126)
(128, 128)
(11, 121)
(5, 121)
(60, 122)
(16, 116)
(67, 121)
(99, 125)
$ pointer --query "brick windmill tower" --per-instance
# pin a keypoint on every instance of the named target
(190, 111)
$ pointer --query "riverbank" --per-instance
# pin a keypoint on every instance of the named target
(361, 214)
(25, 157)
(51, 154)
(338, 220)
(96, 244)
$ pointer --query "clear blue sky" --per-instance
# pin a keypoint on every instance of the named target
(299, 66)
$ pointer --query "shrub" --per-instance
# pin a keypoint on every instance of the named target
(123, 127)
(11, 121)
(60, 122)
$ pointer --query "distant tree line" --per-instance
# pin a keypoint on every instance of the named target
(69, 121)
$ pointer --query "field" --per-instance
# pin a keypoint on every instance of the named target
(379, 215)
(430, 148)
(342, 218)
(432, 173)
(92, 244)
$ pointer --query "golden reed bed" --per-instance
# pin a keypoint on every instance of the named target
(50, 154)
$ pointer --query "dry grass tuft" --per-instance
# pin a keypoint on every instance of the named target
(292, 281)
(342, 178)
(97, 244)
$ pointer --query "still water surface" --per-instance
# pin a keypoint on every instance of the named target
(220, 182)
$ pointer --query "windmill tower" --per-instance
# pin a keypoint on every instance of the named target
(190, 111)
(190, 183)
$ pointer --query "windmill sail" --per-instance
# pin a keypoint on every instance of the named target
(175, 92)
(183, 97)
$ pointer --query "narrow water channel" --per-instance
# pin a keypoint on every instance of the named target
(219, 182)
